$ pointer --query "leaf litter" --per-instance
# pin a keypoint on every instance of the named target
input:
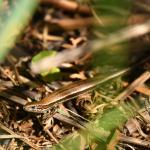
(55, 27)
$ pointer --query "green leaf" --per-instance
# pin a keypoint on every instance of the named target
(101, 131)
(51, 74)
(43, 54)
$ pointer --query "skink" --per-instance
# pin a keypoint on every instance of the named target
(68, 92)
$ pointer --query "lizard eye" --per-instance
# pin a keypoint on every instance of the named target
(33, 107)
(29, 108)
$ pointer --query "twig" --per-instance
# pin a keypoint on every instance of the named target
(45, 36)
(143, 89)
(55, 140)
(51, 135)
(7, 75)
(67, 120)
(71, 24)
(134, 141)
(13, 98)
(122, 35)
(139, 81)
(69, 6)
(21, 137)
(10, 136)
(77, 115)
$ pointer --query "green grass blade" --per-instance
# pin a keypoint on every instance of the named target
(14, 24)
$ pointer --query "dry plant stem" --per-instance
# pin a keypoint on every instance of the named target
(71, 6)
(95, 15)
(143, 89)
(122, 35)
(21, 137)
(10, 136)
(7, 84)
(65, 119)
(7, 75)
(11, 61)
(134, 141)
(13, 98)
(139, 81)
(21, 79)
(71, 24)
(27, 81)
(55, 140)
(46, 36)
(133, 102)
(77, 115)
(72, 54)
(51, 135)
(138, 127)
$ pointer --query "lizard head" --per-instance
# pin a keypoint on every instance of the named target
(35, 108)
